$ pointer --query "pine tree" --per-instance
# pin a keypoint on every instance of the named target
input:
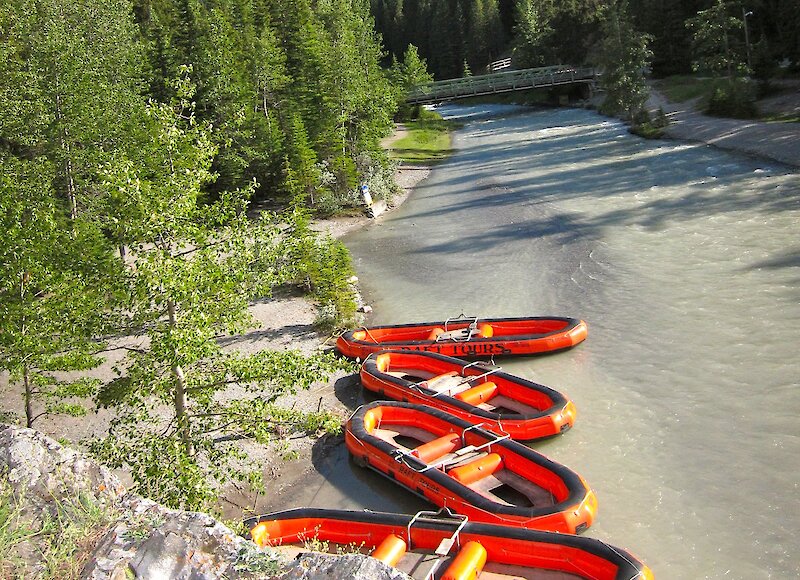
(192, 274)
(54, 294)
(624, 58)
(531, 33)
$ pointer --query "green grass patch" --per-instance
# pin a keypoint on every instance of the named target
(648, 131)
(780, 118)
(428, 140)
(682, 88)
(57, 545)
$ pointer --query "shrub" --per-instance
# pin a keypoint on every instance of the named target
(377, 171)
(336, 188)
(323, 266)
(329, 270)
(649, 128)
(733, 98)
(641, 117)
(661, 120)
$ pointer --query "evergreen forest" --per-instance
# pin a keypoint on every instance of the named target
(463, 36)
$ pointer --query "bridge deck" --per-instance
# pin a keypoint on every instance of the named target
(502, 82)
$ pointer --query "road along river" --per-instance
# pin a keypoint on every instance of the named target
(685, 261)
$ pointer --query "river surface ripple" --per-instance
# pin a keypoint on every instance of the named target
(685, 261)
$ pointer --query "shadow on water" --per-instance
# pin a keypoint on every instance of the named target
(570, 227)
(349, 392)
(333, 480)
(611, 180)
(789, 259)
(569, 178)
(348, 486)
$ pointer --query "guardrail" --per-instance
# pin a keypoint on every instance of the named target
(500, 83)
(499, 65)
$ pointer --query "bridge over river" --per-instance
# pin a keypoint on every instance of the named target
(502, 82)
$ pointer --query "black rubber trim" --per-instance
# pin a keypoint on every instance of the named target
(559, 400)
(571, 480)
(626, 563)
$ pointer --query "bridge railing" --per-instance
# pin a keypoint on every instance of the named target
(499, 82)
(498, 65)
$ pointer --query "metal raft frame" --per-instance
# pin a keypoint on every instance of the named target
(402, 455)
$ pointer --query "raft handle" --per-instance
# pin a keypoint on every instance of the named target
(481, 376)
(369, 334)
(497, 438)
(462, 316)
(471, 329)
(444, 515)
(400, 456)
(465, 379)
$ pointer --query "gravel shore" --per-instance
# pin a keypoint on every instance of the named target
(776, 141)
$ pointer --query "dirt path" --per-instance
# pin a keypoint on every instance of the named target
(777, 141)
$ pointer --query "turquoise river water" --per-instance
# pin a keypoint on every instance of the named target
(685, 262)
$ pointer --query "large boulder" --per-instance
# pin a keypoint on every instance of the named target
(151, 541)
(316, 566)
(57, 503)
(47, 474)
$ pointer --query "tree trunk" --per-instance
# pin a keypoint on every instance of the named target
(728, 55)
(179, 398)
(65, 146)
(26, 380)
(26, 376)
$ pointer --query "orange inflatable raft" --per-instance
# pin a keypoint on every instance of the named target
(446, 546)
(453, 463)
(475, 392)
(468, 337)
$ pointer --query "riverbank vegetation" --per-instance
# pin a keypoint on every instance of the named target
(134, 139)
(699, 89)
(427, 140)
(722, 39)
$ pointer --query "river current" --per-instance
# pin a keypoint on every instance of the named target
(685, 262)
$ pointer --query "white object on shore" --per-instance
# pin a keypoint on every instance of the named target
(366, 194)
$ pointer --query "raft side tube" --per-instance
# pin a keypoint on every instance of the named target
(468, 564)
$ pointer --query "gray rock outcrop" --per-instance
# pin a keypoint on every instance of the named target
(57, 496)
(316, 566)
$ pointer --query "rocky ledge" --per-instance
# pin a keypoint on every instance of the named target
(63, 515)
